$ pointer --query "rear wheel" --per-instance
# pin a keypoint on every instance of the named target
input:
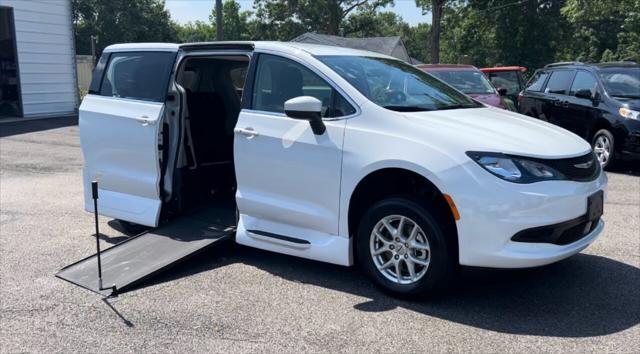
(603, 147)
(402, 248)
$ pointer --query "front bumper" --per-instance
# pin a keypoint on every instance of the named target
(492, 211)
(632, 144)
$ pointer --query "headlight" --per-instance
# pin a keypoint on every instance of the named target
(514, 168)
(629, 113)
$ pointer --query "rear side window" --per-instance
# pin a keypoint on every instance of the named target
(140, 76)
(583, 81)
(559, 82)
(537, 81)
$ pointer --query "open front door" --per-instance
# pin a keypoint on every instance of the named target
(120, 124)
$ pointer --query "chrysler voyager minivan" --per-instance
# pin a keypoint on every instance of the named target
(337, 155)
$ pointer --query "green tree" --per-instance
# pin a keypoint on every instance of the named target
(602, 30)
(198, 31)
(437, 8)
(235, 23)
(371, 23)
(285, 19)
(120, 21)
(503, 32)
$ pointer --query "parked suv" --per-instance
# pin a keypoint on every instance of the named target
(333, 154)
(598, 102)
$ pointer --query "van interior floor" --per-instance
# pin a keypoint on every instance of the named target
(132, 261)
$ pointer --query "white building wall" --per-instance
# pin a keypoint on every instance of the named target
(46, 56)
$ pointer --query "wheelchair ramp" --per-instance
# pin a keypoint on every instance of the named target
(140, 257)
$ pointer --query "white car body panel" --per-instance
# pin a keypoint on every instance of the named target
(287, 176)
(120, 152)
(294, 183)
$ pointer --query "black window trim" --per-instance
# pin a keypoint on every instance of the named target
(166, 86)
(252, 75)
(99, 69)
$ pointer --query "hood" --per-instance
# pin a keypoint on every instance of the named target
(633, 103)
(498, 130)
(492, 99)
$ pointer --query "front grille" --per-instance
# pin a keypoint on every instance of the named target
(582, 169)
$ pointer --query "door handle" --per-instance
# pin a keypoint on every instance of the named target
(144, 120)
(247, 132)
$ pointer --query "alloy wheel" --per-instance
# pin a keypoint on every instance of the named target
(602, 148)
(400, 249)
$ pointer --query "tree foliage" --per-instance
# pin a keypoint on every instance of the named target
(531, 33)
(119, 21)
(602, 30)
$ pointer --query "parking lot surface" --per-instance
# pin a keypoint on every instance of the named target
(233, 298)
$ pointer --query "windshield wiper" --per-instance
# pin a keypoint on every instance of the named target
(627, 96)
(407, 108)
(457, 106)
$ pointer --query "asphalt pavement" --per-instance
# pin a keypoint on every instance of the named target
(233, 298)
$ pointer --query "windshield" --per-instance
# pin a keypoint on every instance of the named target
(469, 82)
(395, 85)
(621, 82)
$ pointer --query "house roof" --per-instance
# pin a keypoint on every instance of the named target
(383, 45)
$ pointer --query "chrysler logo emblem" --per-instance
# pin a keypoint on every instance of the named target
(584, 164)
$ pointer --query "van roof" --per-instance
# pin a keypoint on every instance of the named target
(313, 49)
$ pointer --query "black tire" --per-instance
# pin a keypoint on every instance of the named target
(607, 136)
(441, 266)
(132, 228)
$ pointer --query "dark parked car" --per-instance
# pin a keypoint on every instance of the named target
(469, 80)
(599, 102)
(509, 78)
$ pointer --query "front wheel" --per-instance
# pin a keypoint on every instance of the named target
(402, 248)
(603, 148)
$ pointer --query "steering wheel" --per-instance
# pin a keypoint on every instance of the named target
(395, 96)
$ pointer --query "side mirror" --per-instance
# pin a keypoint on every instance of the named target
(586, 94)
(502, 91)
(306, 108)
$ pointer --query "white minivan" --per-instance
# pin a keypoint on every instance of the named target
(337, 155)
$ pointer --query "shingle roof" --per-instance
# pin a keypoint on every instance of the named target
(383, 45)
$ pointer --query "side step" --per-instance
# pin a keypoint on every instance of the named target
(138, 258)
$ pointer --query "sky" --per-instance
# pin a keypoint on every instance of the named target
(184, 11)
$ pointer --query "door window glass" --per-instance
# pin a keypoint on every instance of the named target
(559, 82)
(583, 81)
(507, 80)
(142, 76)
(279, 79)
(537, 81)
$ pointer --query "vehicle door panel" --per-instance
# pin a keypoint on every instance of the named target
(119, 139)
(556, 90)
(581, 112)
(287, 176)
